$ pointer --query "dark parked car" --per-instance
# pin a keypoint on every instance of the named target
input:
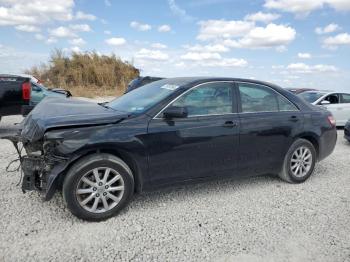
(347, 131)
(19, 94)
(166, 132)
(141, 81)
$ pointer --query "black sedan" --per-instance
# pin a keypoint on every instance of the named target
(167, 132)
(347, 131)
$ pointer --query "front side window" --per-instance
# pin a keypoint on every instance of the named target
(332, 99)
(208, 99)
(258, 98)
(345, 98)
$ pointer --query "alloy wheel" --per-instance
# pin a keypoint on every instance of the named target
(100, 190)
(301, 161)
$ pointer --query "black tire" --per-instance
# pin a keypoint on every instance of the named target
(286, 173)
(86, 164)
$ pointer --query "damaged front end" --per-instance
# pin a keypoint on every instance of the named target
(39, 165)
(52, 134)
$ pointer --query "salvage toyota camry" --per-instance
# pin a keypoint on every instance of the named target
(166, 132)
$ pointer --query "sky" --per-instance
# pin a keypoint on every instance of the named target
(292, 43)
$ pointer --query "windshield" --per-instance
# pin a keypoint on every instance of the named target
(311, 96)
(144, 97)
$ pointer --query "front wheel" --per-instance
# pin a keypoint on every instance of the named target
(299, 162)
(97, 187)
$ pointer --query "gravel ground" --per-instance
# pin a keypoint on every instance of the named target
(256, 219)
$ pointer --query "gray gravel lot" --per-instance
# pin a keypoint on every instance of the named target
(256, 219)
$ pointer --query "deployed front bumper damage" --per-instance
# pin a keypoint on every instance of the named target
(39, 166)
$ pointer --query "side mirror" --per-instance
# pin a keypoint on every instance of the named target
(325, 102)
(175, 112)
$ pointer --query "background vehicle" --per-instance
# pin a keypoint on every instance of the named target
(337, 103)
(347, 131)
(20, 93)
(166, 132)
(299, 90)
(14, 95)
(141, 81)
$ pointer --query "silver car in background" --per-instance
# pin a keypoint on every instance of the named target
(335, 102)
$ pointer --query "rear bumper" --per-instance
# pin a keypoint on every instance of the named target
(347, 133)
(327, 143)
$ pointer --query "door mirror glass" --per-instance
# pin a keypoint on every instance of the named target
(36, 88)
(325, 102)
(175, 112)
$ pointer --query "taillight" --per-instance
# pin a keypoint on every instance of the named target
(26, 89)
(331, 120)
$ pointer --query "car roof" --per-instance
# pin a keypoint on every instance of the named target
(192, 80)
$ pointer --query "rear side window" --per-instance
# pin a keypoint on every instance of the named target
(345, 98)
(258, 98)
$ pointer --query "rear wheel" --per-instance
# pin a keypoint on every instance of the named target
(299, 162)
(97, 187)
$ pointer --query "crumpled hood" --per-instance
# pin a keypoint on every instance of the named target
(61, 112)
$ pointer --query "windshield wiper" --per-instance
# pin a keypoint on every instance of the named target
(104, 104)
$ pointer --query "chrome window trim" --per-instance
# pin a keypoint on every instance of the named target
(242, 82)
(193, 87)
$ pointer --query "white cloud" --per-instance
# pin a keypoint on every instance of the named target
(304, 55)
(302, 7)
(208, 59)
(179, 12)
(262, 17)
(200, 56)
(228, 62)
(158, 46)
(107, 32)
(27, 28)
(264, 37)
(35, 12)
(115, 41)
(309, 69)
(51, 40)
(327, 29)
(83, 16)
(39, 37)
(147, 54)
(335, 41)
(70, 31)
(140, 27)
(76, 49)
(219, 48)
(212, 29)
(81, 27)
(164, 28)
(62, 32)
(77, 42)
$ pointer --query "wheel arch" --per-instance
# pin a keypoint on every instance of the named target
(118, 152)
(313, 139)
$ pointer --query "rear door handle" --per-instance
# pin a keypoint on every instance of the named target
(294, 119)
(229, 124)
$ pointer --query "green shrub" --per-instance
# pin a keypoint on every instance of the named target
(88, 70)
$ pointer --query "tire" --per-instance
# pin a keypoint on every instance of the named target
(290, 171)
(80, 184)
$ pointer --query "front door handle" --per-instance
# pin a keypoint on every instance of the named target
(294, 119)
(229, 124)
